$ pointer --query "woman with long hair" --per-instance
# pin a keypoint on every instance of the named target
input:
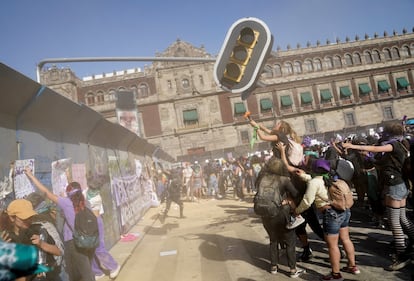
(77, 262)
(391, 155)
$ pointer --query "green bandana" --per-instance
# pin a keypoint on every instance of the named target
(254, 137)
(91, 192)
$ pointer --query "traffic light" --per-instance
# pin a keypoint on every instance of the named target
(240, 62)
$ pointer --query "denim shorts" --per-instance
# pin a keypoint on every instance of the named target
(397, 192)
(334, 220)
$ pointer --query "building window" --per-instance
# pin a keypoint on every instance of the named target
(143, 90)
(308, 65)
(405, 52)
(364, 89)
(349, 119)
(286, 101)
(348, 60)
(388, 113)
(134, 89)
(383, 86)
(239, 109)
(317, 64)
(326, 95)
(298, 67)
(357, 58)
(387, 54)
(402, 84)
(100, 98)
(337, 62)
(395, 53)
(310, 126)
(244, 136)
(368, 57)
(306, 98)
(288, 68)
(328, 62)
(376, 56)
(185, 83)
(190, 117)
(201, 79)
(112, 95)
(277, 69)
(90, 99)
(169, 84)
(345, 92)
(266, 105)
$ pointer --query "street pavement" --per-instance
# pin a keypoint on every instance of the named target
(222, 240)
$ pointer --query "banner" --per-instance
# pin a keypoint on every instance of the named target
(126, 111)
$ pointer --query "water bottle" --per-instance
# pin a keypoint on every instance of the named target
(42, 254)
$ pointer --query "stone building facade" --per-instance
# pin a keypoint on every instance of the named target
(349, 87)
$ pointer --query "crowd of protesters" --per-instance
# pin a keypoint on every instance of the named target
(381, 178)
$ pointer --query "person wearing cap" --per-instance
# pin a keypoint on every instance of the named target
(29, 229)
(77, 262)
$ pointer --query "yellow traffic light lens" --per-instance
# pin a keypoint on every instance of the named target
(248, 37)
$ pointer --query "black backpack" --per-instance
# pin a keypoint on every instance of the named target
(175, 187)
(86, 233)
(268, 201)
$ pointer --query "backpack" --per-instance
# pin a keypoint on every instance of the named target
(340, 195)
(86, 233)
(295, 154)
(268, 201)
(175, 187)
(344, 169)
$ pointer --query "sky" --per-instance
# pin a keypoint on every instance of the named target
(32, 31)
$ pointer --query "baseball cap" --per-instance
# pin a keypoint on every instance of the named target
(21, 208)
(321, 166)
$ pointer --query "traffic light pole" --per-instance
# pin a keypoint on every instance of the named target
(42, 63)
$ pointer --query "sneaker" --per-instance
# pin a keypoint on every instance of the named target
(295, 222)
(273, 269)
(115, 272)
(97, 277)
(398, 264)
(332, 277)
(297, 272)
(351, 269)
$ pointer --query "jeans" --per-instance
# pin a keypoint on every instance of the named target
(334, 220)
(397, 192)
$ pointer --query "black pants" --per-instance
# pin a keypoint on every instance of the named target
(279, 234)
(177, 200)
(78, 264)
(312, 219)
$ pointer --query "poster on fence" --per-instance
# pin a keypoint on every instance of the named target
(59, 176)
(22, 185)
(128, 191)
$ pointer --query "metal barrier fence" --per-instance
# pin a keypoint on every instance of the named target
(38, 123)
